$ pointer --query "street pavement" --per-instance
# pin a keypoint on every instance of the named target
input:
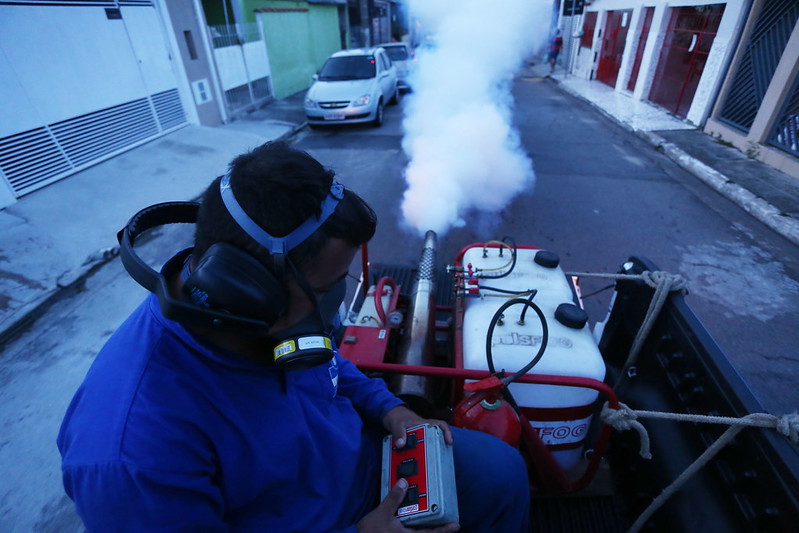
(52, 239)
(769, 195)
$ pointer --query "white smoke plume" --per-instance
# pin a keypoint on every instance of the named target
(463, 151)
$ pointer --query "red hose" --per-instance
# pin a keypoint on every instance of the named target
(381, 283)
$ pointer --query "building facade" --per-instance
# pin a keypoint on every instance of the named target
(758, 105)
(82, 82)
(376, 21)
(674, 54)
(299, 37)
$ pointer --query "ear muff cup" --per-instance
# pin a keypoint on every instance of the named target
(230, 280)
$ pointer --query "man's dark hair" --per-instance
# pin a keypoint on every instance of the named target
(279, 187)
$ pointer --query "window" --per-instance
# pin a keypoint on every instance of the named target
(348, 68)
(397, 53)
(190, 44)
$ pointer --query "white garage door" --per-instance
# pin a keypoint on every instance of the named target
(82, 81)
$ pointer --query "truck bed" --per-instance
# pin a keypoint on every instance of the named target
(751, 486)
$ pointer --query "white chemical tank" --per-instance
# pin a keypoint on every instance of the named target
(561, 415)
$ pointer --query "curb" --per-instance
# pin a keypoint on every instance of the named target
(73, 279)
(759, 208)
(69, 281)
(766, 213)
(294, 131)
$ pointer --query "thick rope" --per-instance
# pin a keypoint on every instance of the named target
(625, 418)
(663, 283)
(677, 484)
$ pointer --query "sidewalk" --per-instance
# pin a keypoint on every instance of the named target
(769, 195)
(54, 237)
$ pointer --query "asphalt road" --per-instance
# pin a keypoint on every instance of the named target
(600, 196)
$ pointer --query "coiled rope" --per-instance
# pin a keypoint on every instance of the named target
(663, 283)
(625, 418)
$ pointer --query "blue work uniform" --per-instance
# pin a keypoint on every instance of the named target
(167, 433)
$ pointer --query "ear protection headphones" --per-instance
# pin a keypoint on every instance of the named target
(229, 289)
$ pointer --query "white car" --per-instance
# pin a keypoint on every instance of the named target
(352, 86)
(403, 57)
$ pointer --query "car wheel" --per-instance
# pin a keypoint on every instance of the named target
(395, 100)
(378, 121)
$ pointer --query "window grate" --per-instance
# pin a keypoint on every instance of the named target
(94, 135)
(770, 34)
(261, 89)
(785, 134)
(168, 109)
(238, 97)
(224, 35)
(31, 158)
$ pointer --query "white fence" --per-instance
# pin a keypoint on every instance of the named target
(242, 62)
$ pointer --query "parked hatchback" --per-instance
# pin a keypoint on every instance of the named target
(403, 58)
(352, 86)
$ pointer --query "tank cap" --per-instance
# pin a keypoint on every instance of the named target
(547, 259)
(571, 316)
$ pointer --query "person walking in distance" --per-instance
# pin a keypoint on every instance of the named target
(555, 47)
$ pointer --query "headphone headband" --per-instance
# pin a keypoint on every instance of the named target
(256, 281)
(148, 218)
(279, 245)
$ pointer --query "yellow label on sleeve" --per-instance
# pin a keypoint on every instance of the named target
(284, 348)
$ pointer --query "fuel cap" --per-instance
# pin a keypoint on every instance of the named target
(547, 259)
(571, 316)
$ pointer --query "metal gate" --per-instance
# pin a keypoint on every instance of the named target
(35, 158)
(770, 34)
(691, 33)
(243, 65)
(613, 41)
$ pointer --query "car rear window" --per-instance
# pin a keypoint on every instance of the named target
(348, 68)
(397, 53)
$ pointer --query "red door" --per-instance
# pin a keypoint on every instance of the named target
(639, 52)
(613, 40)
(683, 56)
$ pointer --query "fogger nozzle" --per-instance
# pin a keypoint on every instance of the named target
(416, 347)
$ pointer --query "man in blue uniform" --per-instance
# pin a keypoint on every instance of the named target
(221, 405)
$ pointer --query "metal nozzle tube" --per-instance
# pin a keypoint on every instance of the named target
(416, 346)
